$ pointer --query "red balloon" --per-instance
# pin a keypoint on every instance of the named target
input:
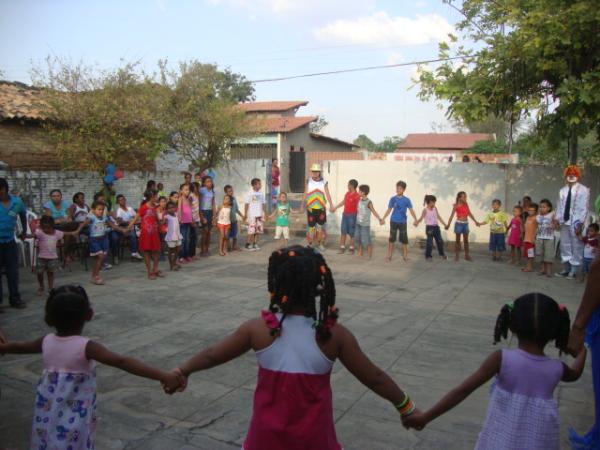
(118, 174)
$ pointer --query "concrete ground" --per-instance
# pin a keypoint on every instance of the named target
(428, 324)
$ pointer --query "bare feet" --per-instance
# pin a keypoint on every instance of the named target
(468, 258)
(40, 290)
(97, 280)
(525, 269)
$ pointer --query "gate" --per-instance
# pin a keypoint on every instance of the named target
(297, 171)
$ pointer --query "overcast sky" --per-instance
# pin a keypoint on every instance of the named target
(258, 38)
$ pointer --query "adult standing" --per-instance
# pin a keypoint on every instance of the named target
(315, 198)
(587, 326)
(275, 174)
(11, 207)
(571, 214)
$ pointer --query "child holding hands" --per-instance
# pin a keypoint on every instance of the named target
(431, 216)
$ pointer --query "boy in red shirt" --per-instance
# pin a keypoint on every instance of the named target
(350, 204)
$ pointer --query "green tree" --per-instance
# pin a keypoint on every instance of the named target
(363, 141)
(96, 117)
(316, 127)
(529, 57)
(201, 113)
(389, 144)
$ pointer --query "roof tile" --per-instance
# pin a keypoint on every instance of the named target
(443, 141)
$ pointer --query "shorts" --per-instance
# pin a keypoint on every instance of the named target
(174, 244)
(225, 227)
(528, 249)
(316, 217)
(497, 242)
(255, 225)
(461, 227)
(281, 231)
(362, 236)
(233, 231)
(348, 224)
(208, 215)
(98, 245)
(398, 232)
(46, 265)
(586, 264)
(544, 250)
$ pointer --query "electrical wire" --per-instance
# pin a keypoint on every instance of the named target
(357, 69)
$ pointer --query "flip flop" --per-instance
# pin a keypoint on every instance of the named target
(159, 273)
(98, 281)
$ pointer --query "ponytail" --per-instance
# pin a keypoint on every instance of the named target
(503, 323)
(564, 327)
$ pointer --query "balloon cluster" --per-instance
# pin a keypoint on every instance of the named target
(112, 174)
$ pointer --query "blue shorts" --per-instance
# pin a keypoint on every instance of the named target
(98, 245)
(461, 227)
(362, 237)
(348, 224)
(497, 242)
(586, 264)
(208, 215)
(233, 230)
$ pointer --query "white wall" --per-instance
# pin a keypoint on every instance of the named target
(482, 182)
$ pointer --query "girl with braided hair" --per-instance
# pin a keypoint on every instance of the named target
(296, 343)
(522, 413)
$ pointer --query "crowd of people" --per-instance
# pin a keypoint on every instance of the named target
(302, 301)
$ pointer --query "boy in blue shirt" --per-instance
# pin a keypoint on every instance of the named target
(399, 204)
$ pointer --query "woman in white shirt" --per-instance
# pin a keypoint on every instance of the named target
(123, 215)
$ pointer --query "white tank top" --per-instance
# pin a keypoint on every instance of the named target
(295, 350)
(80, 214)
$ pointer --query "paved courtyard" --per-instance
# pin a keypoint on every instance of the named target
(429, 324)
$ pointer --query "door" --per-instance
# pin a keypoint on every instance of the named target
(297, 171)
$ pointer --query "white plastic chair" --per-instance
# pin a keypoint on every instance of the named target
(28, 241)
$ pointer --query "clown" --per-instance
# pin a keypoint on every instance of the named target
(571, 214)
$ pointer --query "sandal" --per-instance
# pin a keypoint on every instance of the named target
(158, 273)
(152, 276)
(98, 281)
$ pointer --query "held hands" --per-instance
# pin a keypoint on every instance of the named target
(175, 381)
(416, 223)
(416, 420)
(381, 222)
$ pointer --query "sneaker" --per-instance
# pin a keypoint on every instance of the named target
(571, 276)
(256, 247)
(106, 266)
(342, 250)
(137, 256)
(562, 274)
(249, 248)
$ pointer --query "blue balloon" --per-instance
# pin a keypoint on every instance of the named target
(110, 169)
(109, 179)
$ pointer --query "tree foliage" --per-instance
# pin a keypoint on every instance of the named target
(529, 57)
(317, 127)
(363, 141)
(388, 145)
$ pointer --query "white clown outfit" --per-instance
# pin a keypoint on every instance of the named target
(572, 213)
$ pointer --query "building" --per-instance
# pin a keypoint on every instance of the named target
(438, 146)
(283, 135)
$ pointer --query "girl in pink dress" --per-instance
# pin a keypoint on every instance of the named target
(515, 235)
(296, 344)
(522, 412)
(65, 403)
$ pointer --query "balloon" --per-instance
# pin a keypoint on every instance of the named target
(109, 179)
(118, 174)
(110, 169)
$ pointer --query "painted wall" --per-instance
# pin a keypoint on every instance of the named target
(482, 182)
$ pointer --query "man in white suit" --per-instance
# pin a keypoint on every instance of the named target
(571, 214)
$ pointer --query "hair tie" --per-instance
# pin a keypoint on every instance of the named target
(284, 299)
(562, 308)
(323, 269)
(510, 306)
(292, 253)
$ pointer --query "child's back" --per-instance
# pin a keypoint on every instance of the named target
(65, 406)
(522, 412)
(285, 416)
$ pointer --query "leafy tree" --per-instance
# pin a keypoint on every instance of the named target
(529, 57)
(389, 144)
(201, 113)
(363, 141)
(98, 117)
(316, 127)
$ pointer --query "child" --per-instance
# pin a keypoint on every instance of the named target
(161, 213)
(522, 413)
(399, 203)
(207, 211)
(65, 406)
(591, 247)
(196, 226)
(461, 227)
(362, 235)
(529, 237)
(282, 219)
(544, 241)
(184, 214)
(161, 190)
(432, 229)
(254, 211)
(47, 258)
(515, 235)
(350, 204)
(296, 344)
(99, 223)
(223, 220)
(498, 221)
(174, 197)
(149, 236)
(235, 212)
(173, 236)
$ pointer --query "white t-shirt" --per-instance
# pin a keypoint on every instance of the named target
(125, 215)
(255, 201)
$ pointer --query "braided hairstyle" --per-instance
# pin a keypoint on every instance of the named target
(297, 276)
(535, 317)
(67, 308)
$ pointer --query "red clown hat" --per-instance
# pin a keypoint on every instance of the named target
(572, 171)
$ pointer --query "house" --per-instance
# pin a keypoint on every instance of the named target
(283, 135)
(438, 146)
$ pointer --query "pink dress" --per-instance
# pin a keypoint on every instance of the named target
(64, 416)
(514, 235)
(293, 407)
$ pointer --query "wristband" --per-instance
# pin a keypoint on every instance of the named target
(406, 407)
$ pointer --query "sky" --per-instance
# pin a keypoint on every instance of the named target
(259, 39)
